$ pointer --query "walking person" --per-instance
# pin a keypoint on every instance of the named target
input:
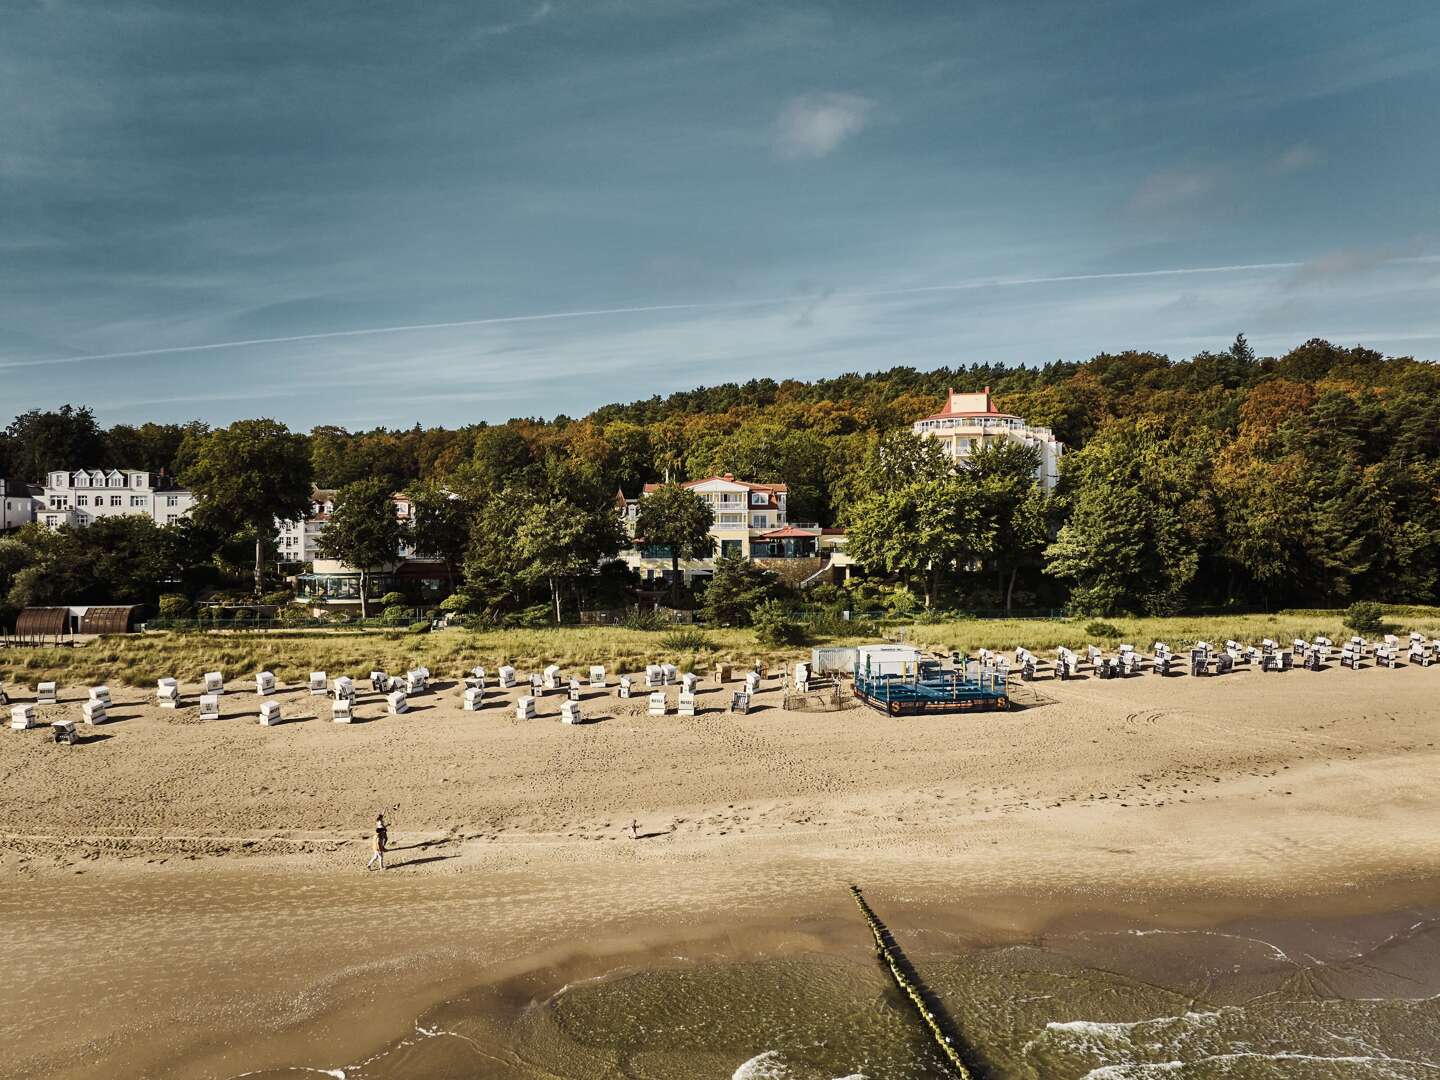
(378, 842)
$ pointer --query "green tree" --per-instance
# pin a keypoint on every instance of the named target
(248, 476)
(66, 438)
(676, 518)
(558, 542)
(737, 587)
(363, 531)
(439, 525)
(1015, 505)
(922, 530)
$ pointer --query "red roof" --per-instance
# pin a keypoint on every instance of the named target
(962, 405)
(787, 533)
(727, 478)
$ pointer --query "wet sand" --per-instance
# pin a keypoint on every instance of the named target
(186, 899)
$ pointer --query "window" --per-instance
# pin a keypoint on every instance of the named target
(81, 500)
(757, 521)
(729, 548)
(137, 500)
(115, 500)
(170, 519)
(172, 500)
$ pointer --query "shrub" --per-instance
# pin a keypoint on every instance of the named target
(688, 639)
(396, 615)
(1365, 617)
(1099, 629)
(643, 620)
(242, 615)
(421, 627)
(774, 626)
(174, 606)
(394, 599)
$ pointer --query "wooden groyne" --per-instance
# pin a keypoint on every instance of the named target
(926, 1005)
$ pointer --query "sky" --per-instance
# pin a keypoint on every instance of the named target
(398, 211)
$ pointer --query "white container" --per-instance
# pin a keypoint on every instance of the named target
(525, 708)
(100, 695)
(570, 712)
(415, 681)
(269, 713)
(319, 684)
(686, 705)
(395, 703)
(658, 706)
(474, 699)
(506, 675)
(22, 717)
(93, 712)
(46, 694)
(340, 710)
(264, 683)
(597, 675)
(552, 677)
(752, 683)
(167, 694)
(654, 676)
(214, 682)
(209, 706)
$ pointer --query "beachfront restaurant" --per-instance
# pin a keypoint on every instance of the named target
(424, 585)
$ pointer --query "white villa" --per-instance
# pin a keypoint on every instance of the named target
(297, 539)
(78, 498)
(17, 504)
(970, 421)
(750, 520)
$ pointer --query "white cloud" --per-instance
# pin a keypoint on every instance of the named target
(1296, 158)
(813, 125)
(1172, 188)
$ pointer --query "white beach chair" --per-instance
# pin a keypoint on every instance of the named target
(668, 674)
(537, 686)
(22, 717)
(574, 689)
(597, 675)
(344, 687)
(474, 699)
(658, 703)
(685, 705)
(214, 682)
(802, 677)
(739, 701)
(380, 681)
(269, 713)
(100, 695)
(625, 684)
(396, 702)
(167, 693)
(752, 683)
(209, 706)
(689, 681)
(63, 731)
(1092, 655)
(722, 673)
(264, 683)
(479, 672)
(319, 684)
(506, 677)
(415, 682)
(654, 676)
(93, 712)
(552, 677)
(3, 699)
(46, 694)
(570, 712)
(525, 708)
(341, 711)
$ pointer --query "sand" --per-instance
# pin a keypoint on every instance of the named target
(187, 899)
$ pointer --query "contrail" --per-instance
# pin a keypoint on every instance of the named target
(592, 313)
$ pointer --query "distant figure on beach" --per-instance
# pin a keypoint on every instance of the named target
(634, 829)
(377, 843)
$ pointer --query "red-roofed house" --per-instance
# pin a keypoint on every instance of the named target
(970, 421)
(750, 520)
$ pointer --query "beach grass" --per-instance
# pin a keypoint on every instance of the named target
(139, 660)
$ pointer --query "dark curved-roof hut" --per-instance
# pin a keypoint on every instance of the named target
(118, 619)
(39, 623)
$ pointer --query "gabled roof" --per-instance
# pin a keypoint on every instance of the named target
(969, 405)
(789, 532)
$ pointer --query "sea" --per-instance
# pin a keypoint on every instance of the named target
(1354, 998)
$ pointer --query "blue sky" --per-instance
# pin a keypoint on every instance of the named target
(783, 189)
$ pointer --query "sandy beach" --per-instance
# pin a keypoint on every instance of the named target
(187, 899)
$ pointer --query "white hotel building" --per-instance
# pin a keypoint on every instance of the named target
(78, 498)
(970, 421)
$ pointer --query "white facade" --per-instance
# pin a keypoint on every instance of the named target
(17, 505)
(78, 498)
(298, 540)
(970, 421)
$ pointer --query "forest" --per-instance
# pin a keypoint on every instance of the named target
(1223, 481)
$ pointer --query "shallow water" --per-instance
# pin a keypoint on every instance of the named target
(1336, 1000)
